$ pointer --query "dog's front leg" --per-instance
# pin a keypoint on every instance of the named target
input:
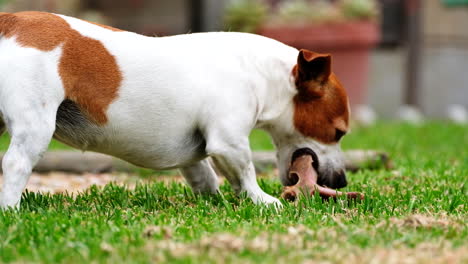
(233, 159)
(31, 131)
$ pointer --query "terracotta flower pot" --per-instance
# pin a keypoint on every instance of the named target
(349, 43)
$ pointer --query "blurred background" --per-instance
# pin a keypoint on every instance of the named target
(397, 58)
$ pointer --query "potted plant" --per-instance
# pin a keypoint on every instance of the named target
(2, 3)
(347, 29)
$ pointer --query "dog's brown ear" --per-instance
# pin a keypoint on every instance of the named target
(313, 66)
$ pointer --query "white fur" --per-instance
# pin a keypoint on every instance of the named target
(29, 99)
(220, 84)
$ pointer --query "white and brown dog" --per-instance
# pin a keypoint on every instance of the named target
(164, 103)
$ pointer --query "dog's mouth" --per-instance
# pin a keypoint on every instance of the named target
(292, 177)
(303, 178)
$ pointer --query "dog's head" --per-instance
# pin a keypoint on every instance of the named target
(320, 118)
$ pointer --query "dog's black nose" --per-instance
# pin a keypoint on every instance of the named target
(340, 180)
(335, 181)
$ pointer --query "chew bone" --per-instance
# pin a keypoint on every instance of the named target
(303, 173)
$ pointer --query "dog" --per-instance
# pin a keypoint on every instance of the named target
(164, 103)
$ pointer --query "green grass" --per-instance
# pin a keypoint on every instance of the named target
(54, 145)
(418, 212)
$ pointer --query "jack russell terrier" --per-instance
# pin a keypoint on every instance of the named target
(164, 103)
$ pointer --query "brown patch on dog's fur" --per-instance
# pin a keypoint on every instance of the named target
(38, 30)
(321, 104)
(90, 74)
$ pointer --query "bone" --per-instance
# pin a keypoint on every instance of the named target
(303, 172)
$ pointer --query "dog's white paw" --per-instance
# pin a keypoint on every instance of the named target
(7, 204)
(268, 200)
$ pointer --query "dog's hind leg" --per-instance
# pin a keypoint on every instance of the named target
(232, 156)
(201, 177)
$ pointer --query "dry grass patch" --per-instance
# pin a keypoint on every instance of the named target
(297, 244)
(427, 221)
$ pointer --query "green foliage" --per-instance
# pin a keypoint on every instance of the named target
(3, 2)
(248, 15)
(324, 11)
(245, 15)
(455, 3)
(302, 11)
(295, 10)
(359, 9)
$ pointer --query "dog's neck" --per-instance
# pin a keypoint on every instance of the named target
(275, 94)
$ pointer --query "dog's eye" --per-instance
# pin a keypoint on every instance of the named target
(339, 134)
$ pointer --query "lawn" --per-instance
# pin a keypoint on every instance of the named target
(414, 213)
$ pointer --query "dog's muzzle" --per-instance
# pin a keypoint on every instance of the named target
(299, 153)
(326, 176)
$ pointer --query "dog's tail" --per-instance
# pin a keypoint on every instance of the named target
(7, 23)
